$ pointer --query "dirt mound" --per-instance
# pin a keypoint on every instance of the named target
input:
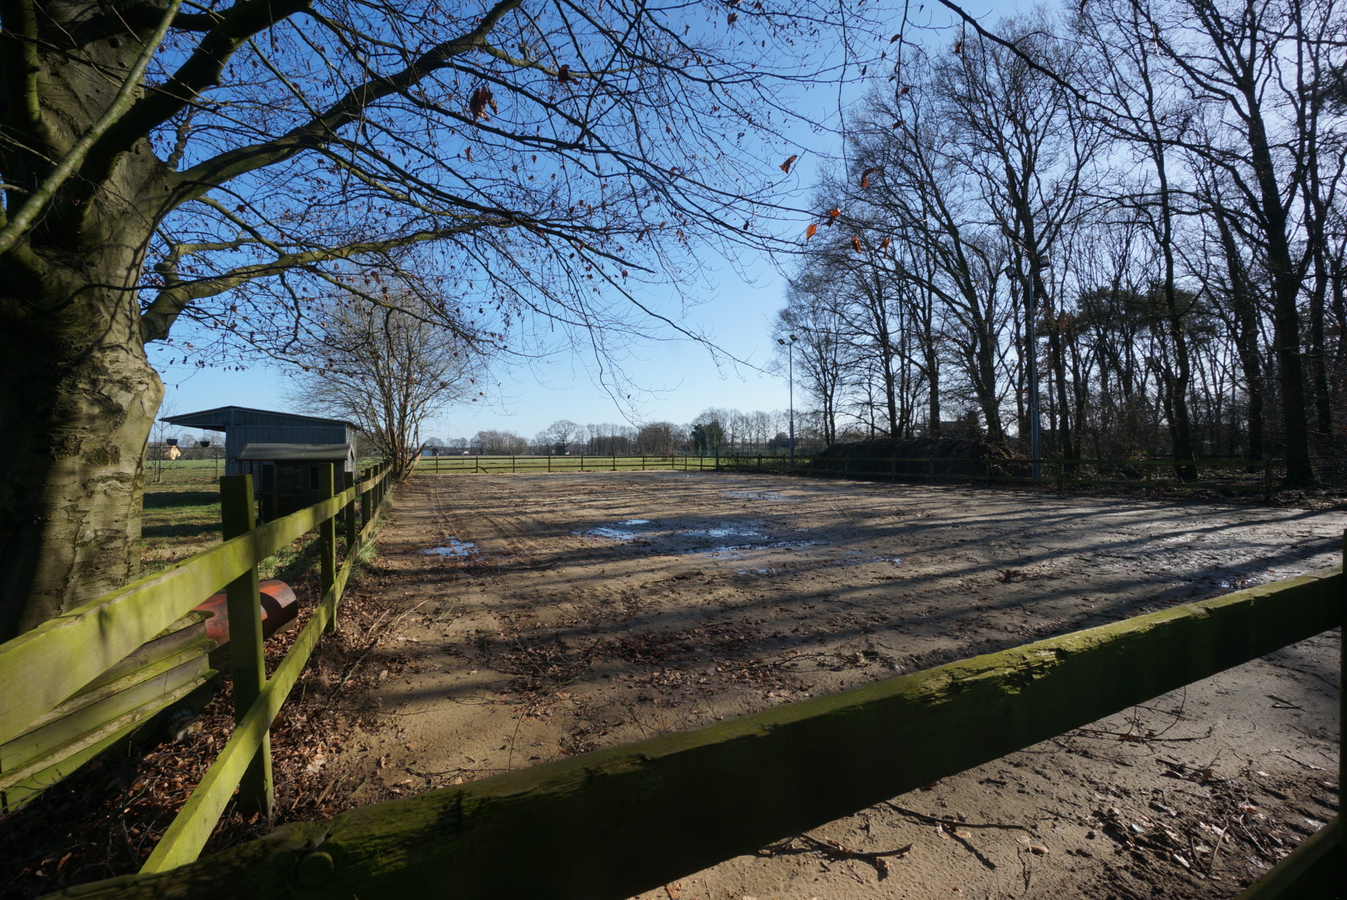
(922, 458)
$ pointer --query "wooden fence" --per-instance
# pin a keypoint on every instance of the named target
(616, 822)
(497, 465)
(1204, 474)
(100, 650)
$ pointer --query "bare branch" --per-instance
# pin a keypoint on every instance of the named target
(75, 156)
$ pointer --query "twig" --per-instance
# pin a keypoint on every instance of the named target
(350, 671)
(347, 799)
(953, 823)
(1248, 835)
(368, 650)
(1220, 838)
(837, 850)
(1134, 738)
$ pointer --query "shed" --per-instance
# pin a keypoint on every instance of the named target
(286, 476)
(244, 427)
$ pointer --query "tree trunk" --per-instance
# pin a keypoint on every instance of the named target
(79, 398)
(1323, 404)
(1057, 358)
(1285, 297)
(77, 394)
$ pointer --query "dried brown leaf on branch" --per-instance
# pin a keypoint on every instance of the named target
(479, 101)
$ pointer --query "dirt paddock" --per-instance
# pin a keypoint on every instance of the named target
(531, 617)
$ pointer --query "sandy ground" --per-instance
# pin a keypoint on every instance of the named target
(532, 617)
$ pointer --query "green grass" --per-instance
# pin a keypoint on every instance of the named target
(574, 463)
(182, 512)
(182, 518)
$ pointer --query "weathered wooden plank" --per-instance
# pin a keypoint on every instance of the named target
(86, 713)
(248, 667)
(43, 667)
(348, 513)
(327, 531)
(616, 822)
(33, 779)
(183, 632)
(1312, 870)
(192, 827)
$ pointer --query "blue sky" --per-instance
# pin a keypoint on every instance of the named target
(675, 380)
(681, 378)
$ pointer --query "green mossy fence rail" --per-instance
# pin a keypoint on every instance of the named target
(616, 822)
(87, 679)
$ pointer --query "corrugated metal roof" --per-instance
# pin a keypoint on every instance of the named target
(224, 417)
(298, 452)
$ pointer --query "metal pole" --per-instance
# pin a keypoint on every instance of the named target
(790, 378)
(790, 369)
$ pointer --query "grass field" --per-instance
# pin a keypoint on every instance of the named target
(182, 518)
(575, 463)
(182, 511)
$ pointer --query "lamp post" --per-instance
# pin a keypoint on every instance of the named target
(790, 379)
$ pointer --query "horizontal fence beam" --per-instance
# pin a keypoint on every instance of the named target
(23, 785)
(1312, 871)
(43, 667)
(192, 827)
(616, 822)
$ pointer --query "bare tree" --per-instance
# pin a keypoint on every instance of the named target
(558, 436)
(168, 168)
(821, 349)
(907, 151)
(659, 438)
(385, 370)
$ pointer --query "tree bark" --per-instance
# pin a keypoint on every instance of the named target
(77, 393)
(79, 398)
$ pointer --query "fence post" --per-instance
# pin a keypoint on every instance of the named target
(327, 545)
(348, 511)
(1267, 479)
(238, 515)
(364, 498)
